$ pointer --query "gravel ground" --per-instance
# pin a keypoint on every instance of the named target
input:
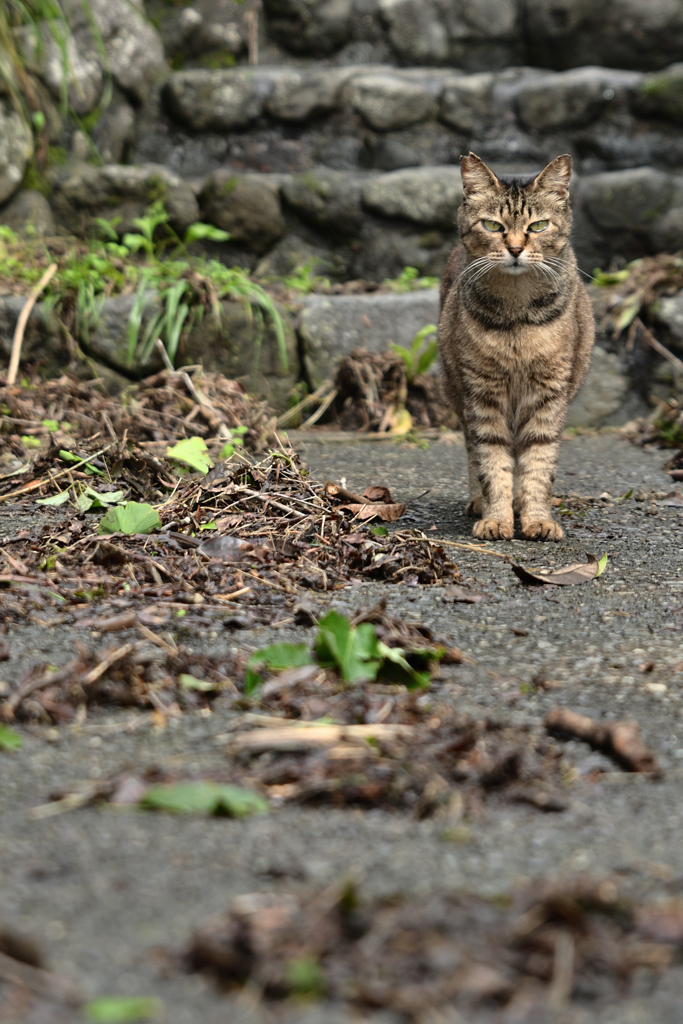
(107, 895)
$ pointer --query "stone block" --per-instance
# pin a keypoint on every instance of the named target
(573, 98)
(328, 200)
(661, 95)
(222, 100)
(466, 103)
(246, 207)
(388, 102)
(332, 326)
(425, 195)
(604, 391)
(629, 200)
(29, 214)
(16, 147)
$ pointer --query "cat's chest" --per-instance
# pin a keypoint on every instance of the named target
(518, 348)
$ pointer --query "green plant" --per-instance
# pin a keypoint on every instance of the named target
(417, 360)
(303, 280)
(409, 280)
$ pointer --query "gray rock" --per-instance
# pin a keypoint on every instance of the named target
(661, 95)
(329, 200)
(199, 29)
(312, 27)
(392, 155)
(16, 147)
(332, 326)
(302, 95)
(246, 207)
(383, 251)
(43, 338)
(666, 234)
(612, 33)
(107, 339)
(572, 99)
(231, 346)
(466, 103)
(124, 192)
(222, 100)
(115, 131)
(630, 200)
(53, 53)
(389, 101)
(426, 195)
(603, 392)
(669, 312)
(417, 30)
(29, 214)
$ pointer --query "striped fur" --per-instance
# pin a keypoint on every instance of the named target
(515, 336)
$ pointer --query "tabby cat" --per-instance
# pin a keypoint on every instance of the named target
(515, 337)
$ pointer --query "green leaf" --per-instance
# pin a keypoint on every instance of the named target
(123, 1009)
(211, 525)
(204, 797)
(427, 357)
(197, 231)
(379, 531)
(51, 425)
(305, 976)
(54, 499)
(628, 310)
(67, 456)
(133, 517)
(192, 452)
(398, 669)
(9, 738)
(226, 451)
(276, 657)
(352, 650)
(601, 565)
(29, 441)
(192, 683)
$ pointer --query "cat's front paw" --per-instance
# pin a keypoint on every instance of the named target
(541, 529)
(474, 508)
(494, 529)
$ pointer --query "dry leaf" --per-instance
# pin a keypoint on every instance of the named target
(674, 499)
(459, 595)
(580, 572)
(387, 513)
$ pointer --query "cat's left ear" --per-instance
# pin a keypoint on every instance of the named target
(556, 176)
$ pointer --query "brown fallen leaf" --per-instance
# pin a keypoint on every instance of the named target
(387, 513)
(229, 549)
(580, 572)
(519, 632)
(620, 740)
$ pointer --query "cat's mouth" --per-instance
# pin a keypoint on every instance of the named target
(516, 267)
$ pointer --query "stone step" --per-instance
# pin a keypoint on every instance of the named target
(284, 119)
(473, 34)
(353, 224)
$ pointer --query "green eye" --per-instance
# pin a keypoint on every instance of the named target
(538, 225)
(492, 225)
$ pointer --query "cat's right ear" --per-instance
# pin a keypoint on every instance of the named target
(476, 176)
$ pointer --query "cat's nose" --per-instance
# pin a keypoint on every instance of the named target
(515, 249)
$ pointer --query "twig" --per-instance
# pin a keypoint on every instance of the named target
(268, 499)
(37, 979)
(657, 345)
(620, 740)
(23, 320)
(47, 679)
(287, 738)
(563, 970)
(107, 663)
(251, 18)
(469, 547)
(35, 484)
(304, 403)
(232, 597)
(320, 410)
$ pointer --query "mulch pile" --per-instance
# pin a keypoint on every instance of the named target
(373, 388)
(581, 941)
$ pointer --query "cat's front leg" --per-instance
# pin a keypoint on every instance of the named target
(537, 449)
(490, 450)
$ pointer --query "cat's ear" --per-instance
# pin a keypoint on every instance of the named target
(556, 176)
(476, 176)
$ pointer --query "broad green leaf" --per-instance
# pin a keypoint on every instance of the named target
(352, 650)
(204, 797)
(123, 1009)
(29, 441)
(211, 525)
(276, 657)
(68, 456)
(602, 563)
(51, 425)
(605, 278)
(427, 358)
(379, 531)
(189, 682)
(54, 499)
(192, 452)
(9, 738)
(133, 517)
(226, 451)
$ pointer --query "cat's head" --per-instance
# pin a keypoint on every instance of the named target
(514, 222)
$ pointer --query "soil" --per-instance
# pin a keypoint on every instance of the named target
(112, 898)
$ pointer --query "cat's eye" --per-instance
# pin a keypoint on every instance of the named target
(492, 225)
(538, 225)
